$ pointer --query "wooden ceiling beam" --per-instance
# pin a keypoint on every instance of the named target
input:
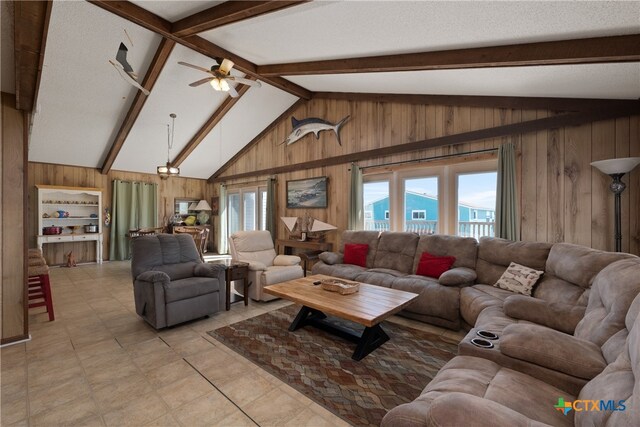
(31, 25)
(227, 13)
(512, 102)
(567, 119)
(562, 52)
(254, 141)
(152, 22)
(202, 133)
(157, 64)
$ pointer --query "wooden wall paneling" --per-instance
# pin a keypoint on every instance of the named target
(14, 319)
(577, 181)
(528, 212)
(622, 147)
(555, 185)
(634, 187)
(602, 221)
(542, 202)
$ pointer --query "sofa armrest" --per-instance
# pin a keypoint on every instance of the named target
(256, 265)
(552, 349)
(457, 276)
(152, 276)
(558, 316)
(331, 258)
(445, 411)
(286, 260)
(210, 270)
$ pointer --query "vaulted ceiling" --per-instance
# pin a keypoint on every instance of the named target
(87, 115)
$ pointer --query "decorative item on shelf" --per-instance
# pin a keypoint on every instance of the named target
(45, 215)
(167, 171)
(202, 207)
(616, 168)
(73, 228)
(306, 227)
(312, 125)
(190, 220)
(93, 215)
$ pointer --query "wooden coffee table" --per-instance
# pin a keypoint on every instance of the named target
(368, 307)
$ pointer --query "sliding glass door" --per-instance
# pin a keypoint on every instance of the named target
(247, 209)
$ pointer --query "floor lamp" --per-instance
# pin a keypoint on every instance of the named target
(616, 168)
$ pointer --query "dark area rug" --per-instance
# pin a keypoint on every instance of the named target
(319, 364)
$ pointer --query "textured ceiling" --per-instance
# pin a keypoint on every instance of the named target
(83, 100)
(329, 30)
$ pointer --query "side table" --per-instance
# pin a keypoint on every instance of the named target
(236, 270)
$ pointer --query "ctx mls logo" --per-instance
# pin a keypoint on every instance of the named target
(589, 405)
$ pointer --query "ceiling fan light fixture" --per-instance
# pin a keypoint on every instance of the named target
(215, 83)
(224, 85)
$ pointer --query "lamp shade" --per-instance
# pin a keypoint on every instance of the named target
(615, 166)
(202, 206)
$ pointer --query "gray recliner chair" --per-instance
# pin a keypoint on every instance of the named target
(171, 284)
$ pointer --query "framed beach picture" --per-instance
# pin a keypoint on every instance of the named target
(307, 193)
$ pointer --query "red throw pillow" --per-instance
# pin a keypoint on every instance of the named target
(356, 254)
(434, 266)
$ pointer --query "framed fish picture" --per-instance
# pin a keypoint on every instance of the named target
(307, 193)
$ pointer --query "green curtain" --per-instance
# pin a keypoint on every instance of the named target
(271, 208)
(507, 225)
(134, 205)
(222, 236)
(355, 220)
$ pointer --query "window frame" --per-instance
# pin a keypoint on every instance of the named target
(415, 211)
(258, 202)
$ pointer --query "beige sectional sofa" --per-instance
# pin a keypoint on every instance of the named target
(576, 337)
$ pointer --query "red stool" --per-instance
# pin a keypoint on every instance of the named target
(39, 287)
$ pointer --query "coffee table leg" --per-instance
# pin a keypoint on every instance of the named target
(305, 315)
(372, 338)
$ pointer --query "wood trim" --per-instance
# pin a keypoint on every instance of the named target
(227, 13)
(30, 34)
(157, 64)
(152, 22)
(258, 137)
(25, 208)
(513, 102)
(15, 339)
(64, 187)
(215, 118)
(577, 51)
(568, 119)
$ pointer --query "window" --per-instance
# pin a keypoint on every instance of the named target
(457, 199)
(247, 209)
(418, 215)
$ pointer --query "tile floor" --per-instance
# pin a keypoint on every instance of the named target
(99, 364)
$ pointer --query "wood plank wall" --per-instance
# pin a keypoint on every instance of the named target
(52, 174)
(12, 250)
(562, 198)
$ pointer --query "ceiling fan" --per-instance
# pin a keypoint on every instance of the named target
(219, 77)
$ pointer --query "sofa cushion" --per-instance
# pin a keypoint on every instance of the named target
(382, 278)
(457, 276)
(434, 299)
(149, 252)
(494, 255)
(345, 271)
(553, 289)
(434, 266)
(331, 258)
(465, 249)
(367, 237)
(474, 299)
(579, 264)
(555, 315)
(519, 279)
(177, 271)
(356, 254)
(612, 293)
(192, 287)
(253, 246)
(396, 251)
(277, 274)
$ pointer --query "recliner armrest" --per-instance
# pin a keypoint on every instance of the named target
(552, 349)
(256, 265)
(331, 258)
(458, 276)
(286, 260)
(152, 276)
(209, 270)
(558, 316)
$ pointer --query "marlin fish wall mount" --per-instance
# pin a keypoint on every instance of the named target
(312, 125)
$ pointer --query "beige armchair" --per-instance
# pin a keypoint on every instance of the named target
(265, 266)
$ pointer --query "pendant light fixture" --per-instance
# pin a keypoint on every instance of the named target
(167, 171)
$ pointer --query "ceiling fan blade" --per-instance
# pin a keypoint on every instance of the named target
(226, 66)
(201, 82)
(233, 92)
(195, 67)
(244, 81)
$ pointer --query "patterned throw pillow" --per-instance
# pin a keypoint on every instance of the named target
(519, 279)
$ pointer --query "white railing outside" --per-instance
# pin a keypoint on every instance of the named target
(465, 228)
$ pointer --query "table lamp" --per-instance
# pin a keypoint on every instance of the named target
(201, 208)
